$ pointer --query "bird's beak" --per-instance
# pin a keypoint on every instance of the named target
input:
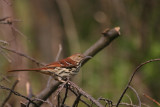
(88, 57)
(85, 58)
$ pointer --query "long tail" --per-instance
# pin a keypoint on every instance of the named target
(34, 70)
(24, 70)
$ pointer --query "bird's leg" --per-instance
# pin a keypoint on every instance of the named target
(60, 79)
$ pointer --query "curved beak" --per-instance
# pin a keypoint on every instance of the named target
(85, 59)
(88, 57)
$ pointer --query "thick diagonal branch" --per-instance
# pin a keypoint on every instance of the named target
(108, 36)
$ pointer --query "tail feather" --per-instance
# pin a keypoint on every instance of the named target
(36, 70)
(16, 70)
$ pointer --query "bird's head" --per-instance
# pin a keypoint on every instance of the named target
(79, 58)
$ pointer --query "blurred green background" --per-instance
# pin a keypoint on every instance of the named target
(76, 25)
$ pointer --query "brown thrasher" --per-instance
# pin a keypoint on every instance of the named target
(61, 70)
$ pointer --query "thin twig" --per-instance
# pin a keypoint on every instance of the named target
(77, 96)
(150, 98)
(21, 54)
(4, 78)
(10, 21)
(59, 89)
(22, 104)
(139, 100)
(107, 101)
(9, 95)
(3, 19)
(66, 93)
(75, 104)
(57, 57)
(47, 92)
(85, 94)
(37, 99)
(16, 30)
(129, 99)
(5, 55)
(145, 105)
(59, 52)
(18, 94)
(132, 76)
(59, 100)
(130, 105)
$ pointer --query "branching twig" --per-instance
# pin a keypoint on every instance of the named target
(9, 95)
(37, 99)
(80, 98)
(47, 92)
(61, 86)
(4, 78)
(9, 21)
(85, 94)
(138, 67)
(21, 54)
(18, 94)
(75, 104)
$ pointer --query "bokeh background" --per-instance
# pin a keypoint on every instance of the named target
(77, 24)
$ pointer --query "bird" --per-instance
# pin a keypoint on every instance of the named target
(61, 70)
